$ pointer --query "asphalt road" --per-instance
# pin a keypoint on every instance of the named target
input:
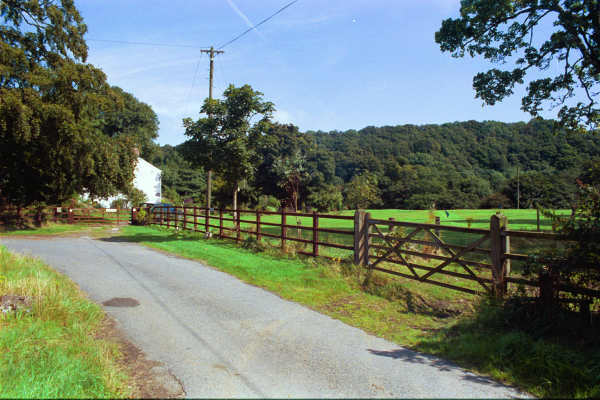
(223, 338)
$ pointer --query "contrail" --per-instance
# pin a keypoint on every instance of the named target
(243, 16)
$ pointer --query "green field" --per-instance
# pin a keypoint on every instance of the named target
(480, 219)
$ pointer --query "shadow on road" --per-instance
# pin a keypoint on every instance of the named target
(143, 237)
(424, 359)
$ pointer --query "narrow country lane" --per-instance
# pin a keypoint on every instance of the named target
(223, 338)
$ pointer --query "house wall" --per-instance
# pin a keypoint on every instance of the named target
(147, 178)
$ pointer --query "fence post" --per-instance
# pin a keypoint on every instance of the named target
(133, 213)
(315, 234)
(206, 217)
(70, 215)
(55, 214)
(361, 238)
(195, 217)
(499, 247)
(283, 228)
(220, 223)
(238, 233)
(391, 226)
(258, 235)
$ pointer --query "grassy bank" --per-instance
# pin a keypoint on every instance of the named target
(52, 350)
(423, 317)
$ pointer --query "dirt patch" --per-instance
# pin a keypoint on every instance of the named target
(121, 302)
(149, 379)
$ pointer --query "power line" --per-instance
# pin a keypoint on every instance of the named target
(147, 43)
(193, 80)
(257, 25)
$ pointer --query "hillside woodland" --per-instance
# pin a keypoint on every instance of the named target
(454, 165)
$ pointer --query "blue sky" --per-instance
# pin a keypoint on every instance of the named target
(327, 65)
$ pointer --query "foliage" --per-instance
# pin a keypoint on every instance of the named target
(362, 192)
(507, 30)
(180, 180)
(51, 141)
(220, 141)
(579, 262)
(135, 197)
(291, 174)
(268, 203)
(142, 218)
(130, 117)
(327, 198)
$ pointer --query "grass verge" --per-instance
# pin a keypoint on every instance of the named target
(52, 351)
(430, 319)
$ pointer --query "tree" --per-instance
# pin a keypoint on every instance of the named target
(510, 29)
(291, 173)
(362, 191)
(51, 104)
(131, 117)
(221, 140)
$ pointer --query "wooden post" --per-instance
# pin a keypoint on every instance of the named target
(206, 217)
(70, 215)
(238, 235)
(391, 226)
(283, 228)
(220, 223)
(195, 218)
(538, 219)
(361, 238)
(499, 247)
(315, 234)
(133, 213)
(55, 214)
(258, 235)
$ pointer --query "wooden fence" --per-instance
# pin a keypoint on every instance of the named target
(94, 216)
(230, 224)
(471, 260)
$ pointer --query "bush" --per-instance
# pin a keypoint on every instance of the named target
(268, 203)
(142, 218)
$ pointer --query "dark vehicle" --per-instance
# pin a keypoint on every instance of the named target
(163, 209)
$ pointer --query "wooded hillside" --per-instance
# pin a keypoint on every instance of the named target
(455, 165)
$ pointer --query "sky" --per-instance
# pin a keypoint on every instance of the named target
(326, 65)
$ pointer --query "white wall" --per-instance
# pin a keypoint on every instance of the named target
(147, 178)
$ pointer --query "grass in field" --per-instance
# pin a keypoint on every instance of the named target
(49, 229)
(423, 317)
(51, 352)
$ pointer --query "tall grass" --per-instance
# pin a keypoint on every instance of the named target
(52, 350)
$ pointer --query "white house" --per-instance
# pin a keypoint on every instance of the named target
(147, 178)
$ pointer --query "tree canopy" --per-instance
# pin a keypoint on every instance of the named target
(221, 140)
(52, 143)
(510, 32)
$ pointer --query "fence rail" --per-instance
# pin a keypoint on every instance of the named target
(231, 224)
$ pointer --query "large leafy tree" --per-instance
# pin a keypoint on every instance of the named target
(51, 104)
(221, 141)
(131, 117)
(511, 30)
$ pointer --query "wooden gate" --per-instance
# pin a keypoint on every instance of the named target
(420, 252)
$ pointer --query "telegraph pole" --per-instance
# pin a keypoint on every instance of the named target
(212, 53)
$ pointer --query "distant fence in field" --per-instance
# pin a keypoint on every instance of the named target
(441, 255)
